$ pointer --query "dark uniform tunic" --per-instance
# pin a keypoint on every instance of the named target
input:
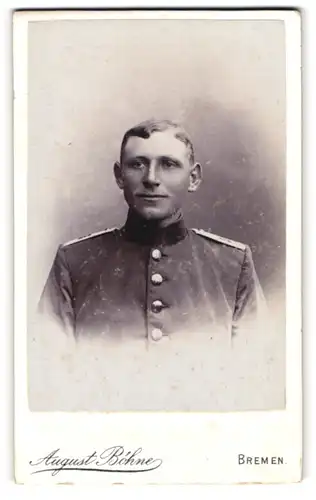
(136, 282)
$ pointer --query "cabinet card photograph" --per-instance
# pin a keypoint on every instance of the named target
(157, 245)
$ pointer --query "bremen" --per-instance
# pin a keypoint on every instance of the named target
(251, 460)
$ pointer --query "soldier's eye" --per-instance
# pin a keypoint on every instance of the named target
(136, 163)
(168, 163)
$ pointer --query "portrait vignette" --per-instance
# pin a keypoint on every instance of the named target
(74, 138)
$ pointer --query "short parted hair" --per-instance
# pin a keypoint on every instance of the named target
(148, 127)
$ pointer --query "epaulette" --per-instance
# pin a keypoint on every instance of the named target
(220, 239)
(91, 235)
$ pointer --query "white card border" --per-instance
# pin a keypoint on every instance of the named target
(29, 425)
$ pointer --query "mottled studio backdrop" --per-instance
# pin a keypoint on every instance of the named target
(91, 80)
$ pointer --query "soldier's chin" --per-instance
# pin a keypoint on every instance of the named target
(152, 213)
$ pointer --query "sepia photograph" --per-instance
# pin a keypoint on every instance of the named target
(156, 212)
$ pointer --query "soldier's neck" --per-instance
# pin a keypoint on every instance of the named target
(157, 224)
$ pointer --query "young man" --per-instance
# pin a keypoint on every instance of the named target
(154, 278)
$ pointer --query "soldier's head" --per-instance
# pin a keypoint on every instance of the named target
(157, 168)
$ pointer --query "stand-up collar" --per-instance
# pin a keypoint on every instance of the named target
(147, 232)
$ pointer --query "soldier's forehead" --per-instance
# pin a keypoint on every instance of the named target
(159, 143)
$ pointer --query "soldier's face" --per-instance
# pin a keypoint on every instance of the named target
(156, 174)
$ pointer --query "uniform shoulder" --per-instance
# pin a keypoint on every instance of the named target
(88, 237)
(220, 239)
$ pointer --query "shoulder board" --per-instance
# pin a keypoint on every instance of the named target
(88, 236)
(220, 239)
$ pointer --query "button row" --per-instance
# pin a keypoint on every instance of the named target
(157, 305)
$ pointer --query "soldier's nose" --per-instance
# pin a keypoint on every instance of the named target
(151, 177)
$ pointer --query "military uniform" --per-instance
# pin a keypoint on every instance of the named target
(139, 283)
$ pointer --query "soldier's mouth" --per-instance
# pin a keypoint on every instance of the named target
(151, 196)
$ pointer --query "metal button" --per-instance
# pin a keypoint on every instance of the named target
(156, 279)
(156, 254)
(156, 306)
(156, 334)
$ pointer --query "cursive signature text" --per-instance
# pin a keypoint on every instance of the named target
(113, 459)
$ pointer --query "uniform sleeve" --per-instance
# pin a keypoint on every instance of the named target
(57, 299)
(250, 306)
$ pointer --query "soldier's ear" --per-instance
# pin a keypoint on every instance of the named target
(195, 177)
(118, 174)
